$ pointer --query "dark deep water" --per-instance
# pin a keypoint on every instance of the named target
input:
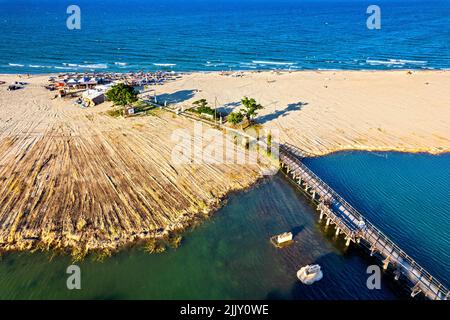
(407, 196)
(230, 257)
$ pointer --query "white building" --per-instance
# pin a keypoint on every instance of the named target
(93, 97)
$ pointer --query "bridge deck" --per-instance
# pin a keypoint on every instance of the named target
(357, 228)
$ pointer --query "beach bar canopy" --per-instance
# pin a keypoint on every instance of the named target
(84, 80)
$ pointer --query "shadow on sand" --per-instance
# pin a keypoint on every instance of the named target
(179, 96)
(281, 113)
(227, 108)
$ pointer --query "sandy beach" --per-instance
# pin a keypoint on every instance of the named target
(80, 179)
(327, 111)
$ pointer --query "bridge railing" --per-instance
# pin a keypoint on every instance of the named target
(413, 265)
(295, 150)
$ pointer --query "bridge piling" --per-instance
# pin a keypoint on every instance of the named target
(347, 243)
(386, 263)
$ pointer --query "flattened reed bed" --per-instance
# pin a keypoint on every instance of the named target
(79, 180)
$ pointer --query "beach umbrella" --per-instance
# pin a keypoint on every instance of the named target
(84, 80)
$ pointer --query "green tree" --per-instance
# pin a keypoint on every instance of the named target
(201, 106)
(250, 108)
(235, 117)
(122, 94)
(202, 103)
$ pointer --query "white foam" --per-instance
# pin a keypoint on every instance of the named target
(409, 61)
(64, 68)
(395, 62)
(15, 65)
(378, 62)
(38, 66)
(121, 64)
(94, 66)
(275, 63)
(213, 65)
(164, 64)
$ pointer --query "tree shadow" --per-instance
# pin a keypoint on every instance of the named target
(179, 96)
(227, 108)
(282, 113)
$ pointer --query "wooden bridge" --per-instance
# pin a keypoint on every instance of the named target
(355, 228)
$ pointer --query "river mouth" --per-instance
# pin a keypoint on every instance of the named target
(227, 257)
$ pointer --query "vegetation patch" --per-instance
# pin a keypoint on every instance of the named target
(235, 118)
(249, 112)
(142, 107)
(116, 112)
(122, 94)
(175, 241)
(201, 107)
(155, 246)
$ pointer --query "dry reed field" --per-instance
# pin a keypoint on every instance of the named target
(80, 180)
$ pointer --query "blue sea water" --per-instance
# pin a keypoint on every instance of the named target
(212, 35)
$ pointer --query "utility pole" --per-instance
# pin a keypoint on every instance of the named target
(215, 110)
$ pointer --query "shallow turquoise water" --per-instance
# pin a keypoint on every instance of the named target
(230, 257)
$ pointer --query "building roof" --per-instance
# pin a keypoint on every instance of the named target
(92, 94)
(104, 87)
